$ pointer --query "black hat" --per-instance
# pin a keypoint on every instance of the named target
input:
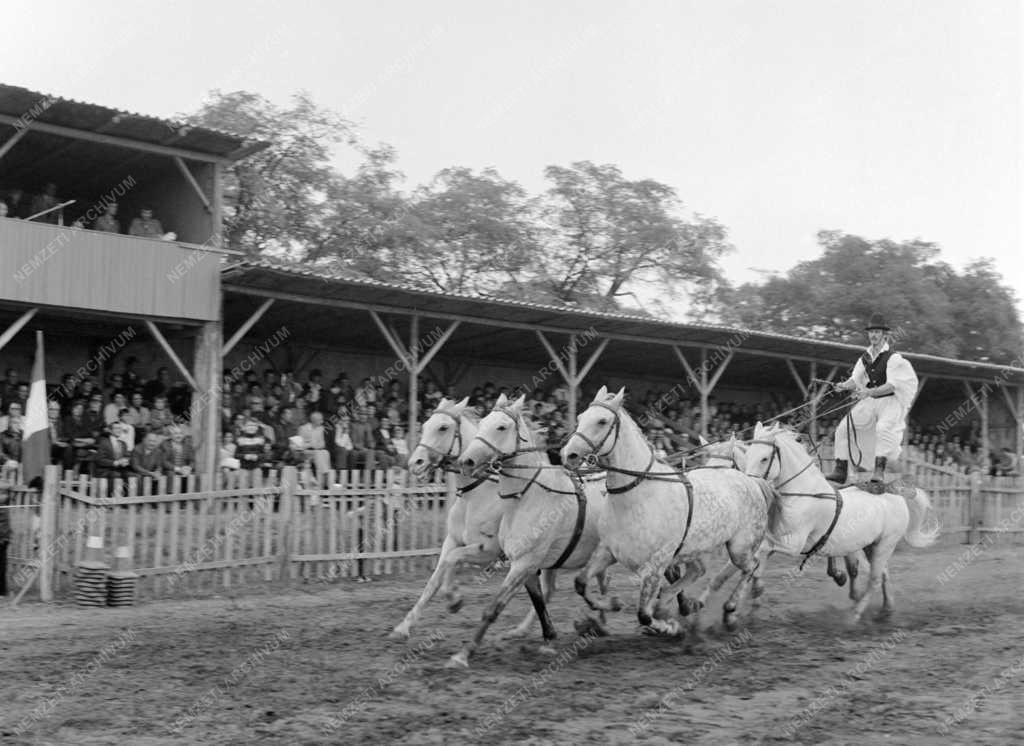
(877, 322)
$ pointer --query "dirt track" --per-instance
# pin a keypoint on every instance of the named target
(312, 665)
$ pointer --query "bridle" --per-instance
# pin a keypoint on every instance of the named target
(777, 454)
(446, 459)
(501, 456)
(595, 448)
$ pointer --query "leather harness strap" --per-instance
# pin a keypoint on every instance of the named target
(577, 532)
(689, 512)
(828, 533)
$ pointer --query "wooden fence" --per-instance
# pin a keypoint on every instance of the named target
(190, 535)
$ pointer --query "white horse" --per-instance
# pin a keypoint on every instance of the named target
(658, 517)
(473, 519)
(813, 516)
(550, 518)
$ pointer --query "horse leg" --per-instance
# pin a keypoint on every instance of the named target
(650, 583)
(547, 584)
(599, 561)
(517, 575)
(533, 587)
(695, 569)
(852, 562)
(744, 554)
(835, 572)
(450, 554)
(878, 556)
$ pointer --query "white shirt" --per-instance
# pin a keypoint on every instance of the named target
(898, 372)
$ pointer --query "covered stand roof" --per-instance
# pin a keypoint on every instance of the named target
(504, 330)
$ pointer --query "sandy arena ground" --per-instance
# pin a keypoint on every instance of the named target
(311, 664)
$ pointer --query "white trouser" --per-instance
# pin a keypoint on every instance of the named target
(885, 418)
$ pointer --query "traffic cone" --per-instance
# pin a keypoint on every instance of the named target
(91, 575)
(121, 580)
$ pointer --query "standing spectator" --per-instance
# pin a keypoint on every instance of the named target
(362, 439)
(159, 386)
(314, 392)
(146, 225)
(124, 430)
(139, 413)
(78, 432)
(315, 440)
(94, 414)
(250, 444)
(45, 201)
(285, 428)
(228, 461)
(108, 221)
(401, 445)
(9, 388)
(17, 205)
(61, 451)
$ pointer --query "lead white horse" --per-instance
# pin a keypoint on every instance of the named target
(550, 518)
(657, 517)
(813, 516)
(473, 519)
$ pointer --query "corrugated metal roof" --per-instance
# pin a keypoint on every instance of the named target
(268, 277)
(47, 108)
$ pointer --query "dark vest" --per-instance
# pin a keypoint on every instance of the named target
(876, 369)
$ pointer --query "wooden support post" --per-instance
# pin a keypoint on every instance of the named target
(984, 431)
(1019, 418)
(217, 218)
(973, 507)
(412, 363)
(159, 337)
(704, 409)
(193, 183)
(813, 428)
(572, 380)
(206, 399)
(289, 482)
(12, 141)
(244, 328)
(16, 327)
(48, 530)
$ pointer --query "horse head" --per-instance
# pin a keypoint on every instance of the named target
(596, 429)
(498, 438)
(440, 438)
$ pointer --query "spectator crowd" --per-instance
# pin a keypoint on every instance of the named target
(127, 425)
(17, 205)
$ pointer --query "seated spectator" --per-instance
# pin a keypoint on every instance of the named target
(227, 460)
(45, 201)
(108, 221)
(387, 454)
(124, 430)
(94, 414)
(179, 456)
(79, 433)
(344, 456)
(10, 443)
(160, 386)
(61, 451)
(315, 440)
(146, 225)
(160, 417)
(401, 445)
(139, 413)
(149, 460)
(362, 439)
(14, 410)
(112, 459)
(112, 412)
(284, 428)
(1006, 465)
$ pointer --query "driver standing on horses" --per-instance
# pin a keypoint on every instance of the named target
(884, 383)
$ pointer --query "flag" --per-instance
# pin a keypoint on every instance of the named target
(35, 434)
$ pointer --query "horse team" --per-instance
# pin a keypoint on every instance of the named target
(657, 521)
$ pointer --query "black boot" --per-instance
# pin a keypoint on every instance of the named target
(838, 474)
(877, 486)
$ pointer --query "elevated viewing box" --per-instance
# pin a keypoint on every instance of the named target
(88, 156)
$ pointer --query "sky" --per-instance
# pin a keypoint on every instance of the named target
(888, 119)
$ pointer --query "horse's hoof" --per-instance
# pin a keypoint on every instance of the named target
(730, 622)
(459, 660)
(399, 634)
(455, 606)
(840, 578)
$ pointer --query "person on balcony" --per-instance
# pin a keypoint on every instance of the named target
(884, 384)
(146, 226)
(45, 201)
(108, 221)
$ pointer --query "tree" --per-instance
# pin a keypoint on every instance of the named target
(931, 308)
(464, 232)
(989, 328)
(275, 198)
(606, 235)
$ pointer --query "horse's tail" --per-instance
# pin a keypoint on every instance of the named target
(917, 534)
